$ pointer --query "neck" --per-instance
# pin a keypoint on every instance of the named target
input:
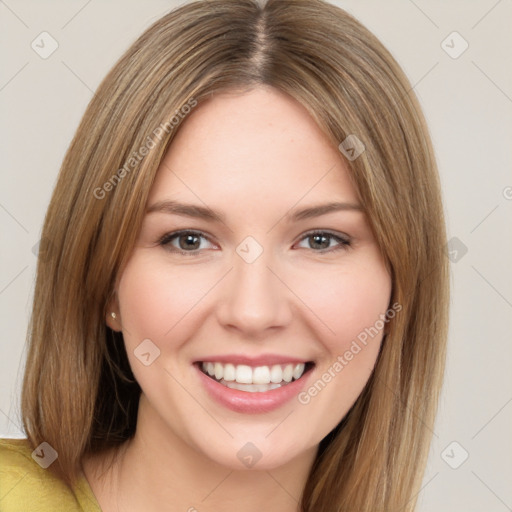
(159, 471)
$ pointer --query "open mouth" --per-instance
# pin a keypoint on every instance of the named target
(254, 379)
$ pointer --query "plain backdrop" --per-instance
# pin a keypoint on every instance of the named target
(467, 99)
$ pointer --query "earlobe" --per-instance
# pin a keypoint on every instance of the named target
(113, 318)
(113, 321)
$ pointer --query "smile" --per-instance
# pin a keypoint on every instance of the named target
(254, 379)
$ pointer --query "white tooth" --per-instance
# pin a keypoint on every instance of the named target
(276, 374)
(204, 366)
(261, 375)
(298, 370)
(244, 374)
(288, 373)
(251, 388)
(232, 385)
(229, 372)
(261, 378)
(219, 371)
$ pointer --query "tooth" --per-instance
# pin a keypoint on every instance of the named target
(276, 374)
(287, 373)
(298, 371)
(251, 388)
(244, 374)
(219, 371)
(229, 372)
(261, 375)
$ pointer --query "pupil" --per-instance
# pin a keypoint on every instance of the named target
(316, 239)
(188, 238)
(192, 241)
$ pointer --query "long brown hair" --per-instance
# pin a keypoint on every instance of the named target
(79, 394)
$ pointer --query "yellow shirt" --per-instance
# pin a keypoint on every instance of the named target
(26, 487)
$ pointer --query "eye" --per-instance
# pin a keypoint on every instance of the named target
(320, 241)
(188, 242)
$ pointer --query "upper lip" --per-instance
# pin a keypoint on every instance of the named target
(261, 360)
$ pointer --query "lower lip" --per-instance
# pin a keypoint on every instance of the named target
(252, 403)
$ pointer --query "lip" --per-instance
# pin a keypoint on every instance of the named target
(261, 360)
(252, 403)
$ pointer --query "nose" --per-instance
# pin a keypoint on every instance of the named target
(254, 300)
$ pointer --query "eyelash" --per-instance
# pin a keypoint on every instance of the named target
(164, 241)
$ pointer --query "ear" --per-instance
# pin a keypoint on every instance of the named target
(113, 316)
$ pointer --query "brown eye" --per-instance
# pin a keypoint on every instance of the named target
(320, 241)
(188, 242)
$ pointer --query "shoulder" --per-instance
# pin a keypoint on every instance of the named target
(26, 485)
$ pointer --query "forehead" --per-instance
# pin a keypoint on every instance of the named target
(254, 146)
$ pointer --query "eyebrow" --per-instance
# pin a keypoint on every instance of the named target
(202, 212)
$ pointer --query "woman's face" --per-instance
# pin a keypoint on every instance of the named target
(250, 288)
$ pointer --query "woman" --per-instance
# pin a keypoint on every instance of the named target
(242, 297)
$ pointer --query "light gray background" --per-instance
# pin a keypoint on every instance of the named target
(468, 104)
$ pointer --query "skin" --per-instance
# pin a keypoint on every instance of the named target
(255, 156)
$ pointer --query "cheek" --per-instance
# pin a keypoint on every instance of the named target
(350, 304)
(347, 301)
(155, 297)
